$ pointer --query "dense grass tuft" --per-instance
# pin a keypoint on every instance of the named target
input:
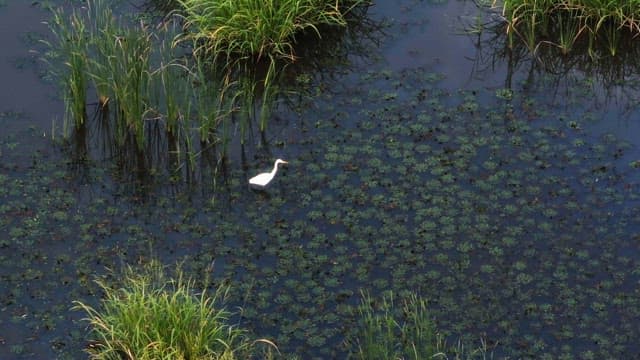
(388, 331)
(70, 44)
(203, 75)
(385, 334)
(561, 23)
(244, 28)
(241, 36)
(151, 316)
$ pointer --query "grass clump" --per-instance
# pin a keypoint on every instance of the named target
(254, 40)
(384, 334)
(141, 79)
(114, 57)
(151, 316)
(563, 23)
(205, 74)
(246, 28)
(71, 43)
(390, 332)
(128, 55)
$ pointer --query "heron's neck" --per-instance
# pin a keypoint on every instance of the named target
(275, 169)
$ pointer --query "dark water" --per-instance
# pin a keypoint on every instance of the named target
(514, 212)
(23, 90)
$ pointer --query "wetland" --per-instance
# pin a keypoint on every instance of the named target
(425, 156)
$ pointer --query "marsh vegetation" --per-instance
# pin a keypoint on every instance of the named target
(195, 77)
(149, 314)
(599, 27)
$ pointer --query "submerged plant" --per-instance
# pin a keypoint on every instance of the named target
(151, 316)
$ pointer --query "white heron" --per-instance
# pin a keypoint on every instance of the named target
(261, 181)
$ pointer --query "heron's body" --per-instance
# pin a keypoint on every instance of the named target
(261, 181)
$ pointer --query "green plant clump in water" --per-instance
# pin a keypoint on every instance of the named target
(387, 332)
(139, 76)
(129, 66)
(154, 317)
(239, 34)
(240, 49)
(384, 337)
(564, 22)
(117, 58)
(71, 43)
(259, 28)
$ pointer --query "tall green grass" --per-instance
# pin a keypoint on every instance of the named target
(247, 28)
(563, 22)
(385, 334)
(101, 22)
(115, 57)
(69, 48)
(241, 35)
(128, 59)
(198, 76)
(389, 330)
(152, 316)
(172, 90)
